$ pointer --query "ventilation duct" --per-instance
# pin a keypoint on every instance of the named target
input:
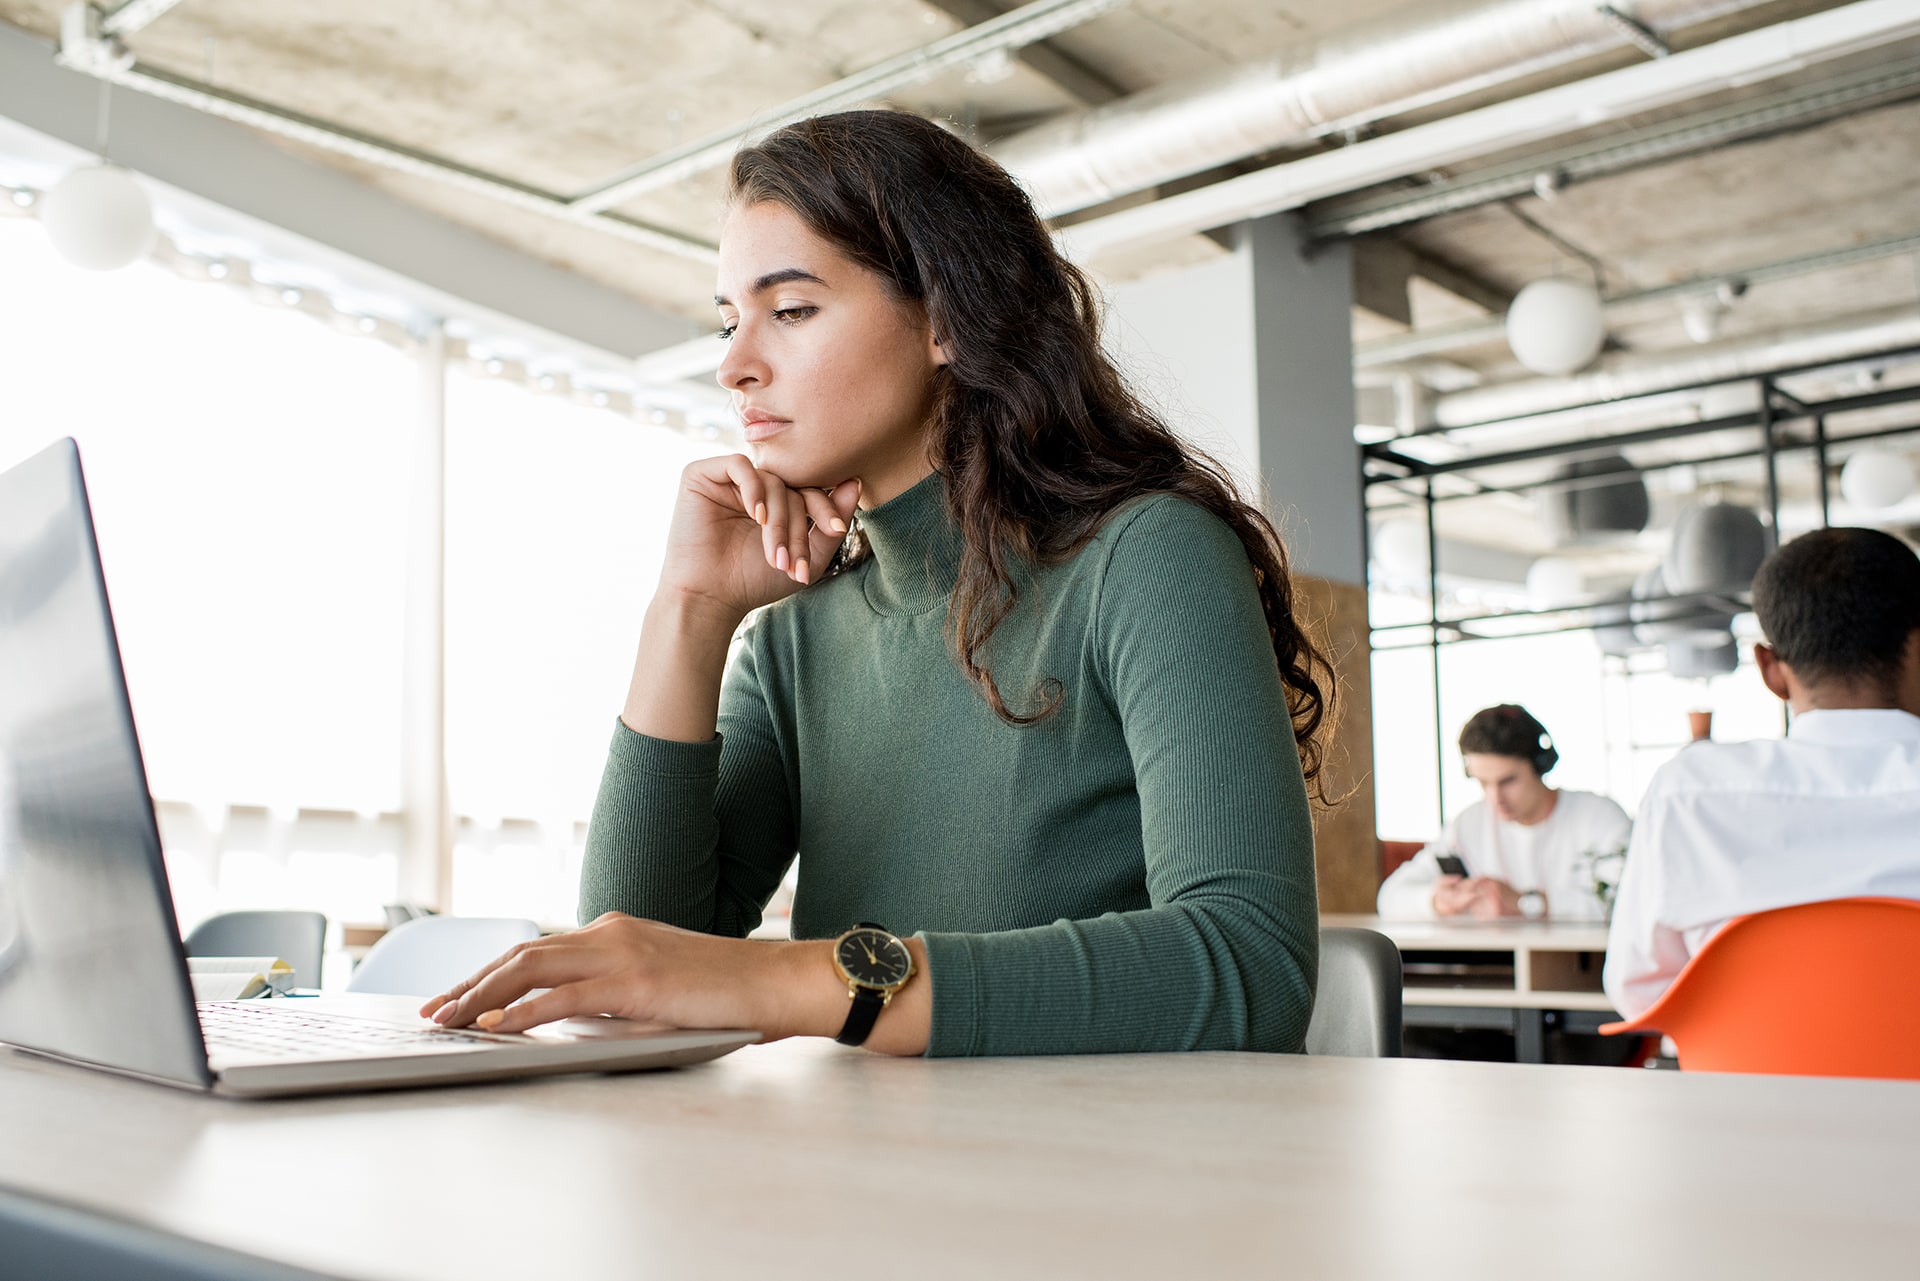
(1414, 56)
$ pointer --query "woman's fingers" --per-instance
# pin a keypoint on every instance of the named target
(845, 497)
(799, 528)
(537, 963)
(460, 989)
(773, 535)
(588, 996)
(799, 544)
(829, 529)
(749, 482)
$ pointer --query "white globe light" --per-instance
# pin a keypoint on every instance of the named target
(1401, 548)
(1556, 326)
(1876, 478)
(98, 218)
(1553, 581)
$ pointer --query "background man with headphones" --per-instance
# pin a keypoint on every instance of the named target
(1525, 849)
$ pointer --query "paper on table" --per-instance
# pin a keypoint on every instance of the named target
(236, 978)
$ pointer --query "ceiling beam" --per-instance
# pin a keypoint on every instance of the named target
(1461, 283)
(1071, 76)
(340, 221)
(1382, 269)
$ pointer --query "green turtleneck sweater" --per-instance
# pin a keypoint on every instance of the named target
(1133, 873)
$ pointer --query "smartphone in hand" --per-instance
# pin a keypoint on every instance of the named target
(1452, 865)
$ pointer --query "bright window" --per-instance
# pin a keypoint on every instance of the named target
(250, 475)
(556, 529)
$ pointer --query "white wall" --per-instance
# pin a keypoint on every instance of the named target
(1186, 340)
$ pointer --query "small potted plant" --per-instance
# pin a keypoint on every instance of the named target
(1603, 874)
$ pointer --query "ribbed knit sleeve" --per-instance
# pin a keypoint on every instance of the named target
(696, 835)
(1225, 957)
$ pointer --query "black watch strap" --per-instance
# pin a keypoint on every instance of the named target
(866, 1006)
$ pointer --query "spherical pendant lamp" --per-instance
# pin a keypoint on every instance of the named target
(1554, 581)
(1556, 326)
(99, 218)
(1716, 547)
(1876, 478)
(1400, 548)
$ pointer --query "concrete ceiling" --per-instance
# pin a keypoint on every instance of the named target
(563, 97)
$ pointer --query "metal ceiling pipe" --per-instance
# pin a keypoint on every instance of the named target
(1011, 31)
(1630, 374)
(1424, 53)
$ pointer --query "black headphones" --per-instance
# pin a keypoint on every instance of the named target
(1545, 755)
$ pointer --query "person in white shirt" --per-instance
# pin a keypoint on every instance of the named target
(1528, 849)
(1830, 811)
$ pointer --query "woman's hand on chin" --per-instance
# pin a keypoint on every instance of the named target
(743, 538)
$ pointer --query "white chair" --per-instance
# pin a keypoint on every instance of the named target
(428, 955)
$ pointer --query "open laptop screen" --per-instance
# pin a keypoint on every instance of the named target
(91, 964)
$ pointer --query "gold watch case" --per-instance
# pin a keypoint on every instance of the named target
(870, 959)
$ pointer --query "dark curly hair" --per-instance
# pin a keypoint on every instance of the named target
(1037, 435)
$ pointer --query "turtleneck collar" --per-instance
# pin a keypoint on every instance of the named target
(914, 548)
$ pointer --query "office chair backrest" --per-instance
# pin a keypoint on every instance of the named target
(429, 954)
(295, 937)
(1356, 1005)
(1822, 989)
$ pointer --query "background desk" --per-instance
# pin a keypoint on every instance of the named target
(1554, 979)
(803, 1160)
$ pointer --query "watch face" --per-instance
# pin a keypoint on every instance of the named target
(873, 958)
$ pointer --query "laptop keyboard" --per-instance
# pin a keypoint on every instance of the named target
(270, 1029)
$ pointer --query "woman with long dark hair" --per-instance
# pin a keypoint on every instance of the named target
(1026, 682)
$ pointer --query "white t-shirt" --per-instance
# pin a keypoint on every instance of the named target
(1830, 811)
(1553, 856)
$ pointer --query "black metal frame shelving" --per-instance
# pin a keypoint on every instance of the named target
(1783, 424)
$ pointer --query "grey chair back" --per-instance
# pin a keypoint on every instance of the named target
(295, 937)
(1356, 1007)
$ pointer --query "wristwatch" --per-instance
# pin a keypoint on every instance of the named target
(874, 965)
(1533, 904)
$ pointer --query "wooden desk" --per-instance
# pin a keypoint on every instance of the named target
(1538, 973)
(803, 1160)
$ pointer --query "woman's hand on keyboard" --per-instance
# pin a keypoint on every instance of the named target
(637, 969)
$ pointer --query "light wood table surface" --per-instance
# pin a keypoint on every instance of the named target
(803, 1160)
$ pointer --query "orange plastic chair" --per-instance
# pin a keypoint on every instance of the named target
(1821, 989)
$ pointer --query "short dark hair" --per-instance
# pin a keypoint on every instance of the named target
(1840, 604)
(1509, 730)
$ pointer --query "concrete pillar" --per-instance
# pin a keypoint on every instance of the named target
(1250, 356)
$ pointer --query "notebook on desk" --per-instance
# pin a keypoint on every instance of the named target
(92, 969)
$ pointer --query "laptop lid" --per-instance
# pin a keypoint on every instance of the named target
(91, 963)
(92, 969)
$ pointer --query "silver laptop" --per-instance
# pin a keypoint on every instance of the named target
(92, 969)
